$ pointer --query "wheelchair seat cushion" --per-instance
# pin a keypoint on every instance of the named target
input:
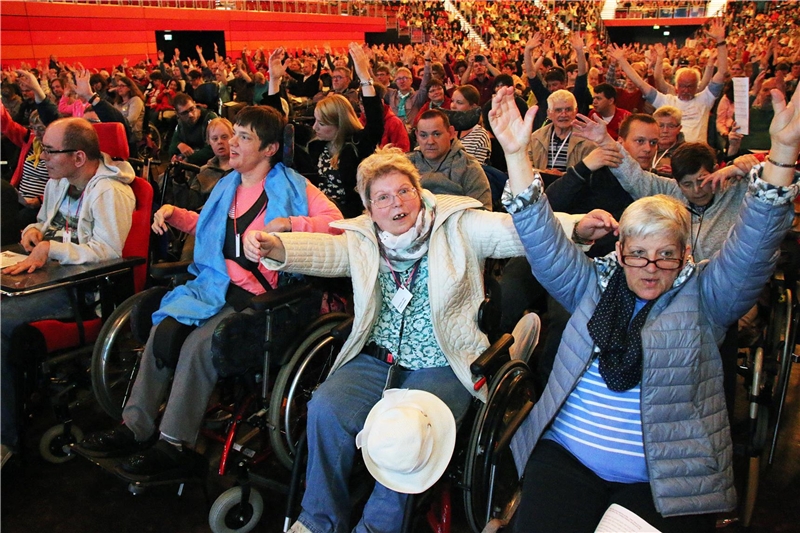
(168, 339)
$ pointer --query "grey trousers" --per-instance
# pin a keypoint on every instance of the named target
(192, 385)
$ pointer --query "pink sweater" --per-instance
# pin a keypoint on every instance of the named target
(321, 211)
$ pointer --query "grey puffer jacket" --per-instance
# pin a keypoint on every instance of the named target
(684, 422)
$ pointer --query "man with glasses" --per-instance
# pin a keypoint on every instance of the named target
(669, 138)
(189, 140)
(405, 101)
(85, 218)
(340, 84)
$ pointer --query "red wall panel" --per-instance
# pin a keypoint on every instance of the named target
(100, 36)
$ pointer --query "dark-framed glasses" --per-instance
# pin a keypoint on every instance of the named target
(385, 200)
(637, 261)
(51, 151)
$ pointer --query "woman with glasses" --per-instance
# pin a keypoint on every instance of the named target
(634, 411)
(341, 142)
(129, 100)
(416, 260)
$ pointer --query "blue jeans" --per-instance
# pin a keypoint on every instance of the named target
(336, 413)
(16, 312)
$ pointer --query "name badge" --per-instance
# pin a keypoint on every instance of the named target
(401, 298)
(66, 237)
(238, 245)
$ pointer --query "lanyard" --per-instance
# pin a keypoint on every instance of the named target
(656, 161)
(400, 302)
(396, 278)
(552, 140)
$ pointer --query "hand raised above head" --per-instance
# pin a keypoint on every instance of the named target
(511, 130)
(591, 130)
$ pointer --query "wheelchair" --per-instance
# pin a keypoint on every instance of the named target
(767, 371)
(53, 353)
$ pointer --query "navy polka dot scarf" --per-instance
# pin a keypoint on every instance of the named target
(617, 336)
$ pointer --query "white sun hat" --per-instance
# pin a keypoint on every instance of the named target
(408, 440)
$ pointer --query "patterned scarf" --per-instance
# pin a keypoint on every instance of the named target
(402, 251)
(36, 152)
(619, 338)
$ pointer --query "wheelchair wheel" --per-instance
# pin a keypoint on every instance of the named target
(228, 515)
(309, 364)
(51, 445)
(491, 483)
(115, 360)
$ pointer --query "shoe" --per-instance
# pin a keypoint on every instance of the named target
(117, 442)
(162, 462)
(5, 454)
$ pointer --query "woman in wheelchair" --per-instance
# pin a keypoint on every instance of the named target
(416, 260)
(260, 194)
(634, 411)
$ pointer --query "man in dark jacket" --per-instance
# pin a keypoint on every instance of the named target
(189, 140)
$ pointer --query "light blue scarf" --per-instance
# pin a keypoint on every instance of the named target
(203, 297)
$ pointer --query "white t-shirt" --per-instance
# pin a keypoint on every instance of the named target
(695, 113)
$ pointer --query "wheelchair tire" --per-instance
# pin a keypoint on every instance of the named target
(228, 515)
(307, 367)
(115, 360)
(491, 484)
(53, 441)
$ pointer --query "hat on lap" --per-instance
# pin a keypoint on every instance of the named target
(408, 440)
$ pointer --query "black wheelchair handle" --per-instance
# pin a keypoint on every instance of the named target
(280, 296)
(188, 167)
(134, 161)
(169, 269)
(493, 358)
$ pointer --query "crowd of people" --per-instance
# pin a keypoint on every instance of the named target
(415, 147)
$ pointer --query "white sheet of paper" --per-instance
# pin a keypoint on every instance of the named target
(10, 258)
(618, 519)
(741, 104)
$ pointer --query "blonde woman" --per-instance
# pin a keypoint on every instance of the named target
(340, 142)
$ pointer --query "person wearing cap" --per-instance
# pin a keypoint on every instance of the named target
(634, 411)
(416, 260)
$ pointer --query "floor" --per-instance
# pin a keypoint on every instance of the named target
(78, 496)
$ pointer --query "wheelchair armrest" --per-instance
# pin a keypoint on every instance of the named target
(166, 270)
(493, 358)
(280, 296)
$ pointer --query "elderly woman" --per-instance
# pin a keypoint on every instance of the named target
(416, 260)
(261, 193)
(634, 412)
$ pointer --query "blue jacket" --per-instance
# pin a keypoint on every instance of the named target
(684, 421)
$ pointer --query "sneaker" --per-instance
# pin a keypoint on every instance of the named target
(117, 442)
(5, 454)
(163, 461)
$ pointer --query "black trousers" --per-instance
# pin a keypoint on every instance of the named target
(560, 494)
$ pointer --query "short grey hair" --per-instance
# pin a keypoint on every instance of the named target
(655, 215)
(688, 70)
(562, 96)
(382, 162)
(669, 111)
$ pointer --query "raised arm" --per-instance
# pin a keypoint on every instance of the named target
(717, 32)
(618, 54)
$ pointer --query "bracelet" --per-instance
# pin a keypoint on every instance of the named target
(781, 165)
(722, 43)
(577, 239)
(367, 82)
(428, 60)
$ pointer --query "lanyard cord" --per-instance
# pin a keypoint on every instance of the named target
(399, 284)
(235, 205)
(656, 161)
(552, 141)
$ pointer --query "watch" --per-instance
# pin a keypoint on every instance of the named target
(368, 81)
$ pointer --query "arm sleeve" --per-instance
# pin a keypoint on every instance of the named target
(321, 212)
(563, 192)
(184, 220)
(314, 254)
(16, 133)
(640, 183)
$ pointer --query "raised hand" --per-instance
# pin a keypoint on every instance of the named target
(603, 156)
(276, 67)
(596, 225)
(617, 53)
(360, 61)
(511, 130)
(577, 42)
(785, 127)
(716, 30)
(592, 130)
(534, 42)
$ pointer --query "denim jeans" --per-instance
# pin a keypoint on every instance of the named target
(16, 312)
(336, 413)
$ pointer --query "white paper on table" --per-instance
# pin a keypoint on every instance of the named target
(618, 519)
(741, 104)
(8, 258)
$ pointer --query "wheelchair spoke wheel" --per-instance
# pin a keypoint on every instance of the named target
(490, 477)
(309, 364)
(115, 360)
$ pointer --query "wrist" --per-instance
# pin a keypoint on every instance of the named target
(576, 237)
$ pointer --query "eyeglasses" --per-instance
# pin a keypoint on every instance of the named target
(667, 125)
(637, 261)
(187, 112)
(385, 200)
(50, 151)
(402, 78)
(337, 77)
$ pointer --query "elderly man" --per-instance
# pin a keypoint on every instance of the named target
(189, 140)
(340, 84)
(443, 164)
(694, 106)
(669, 138)
(553, 148)
(85, 218)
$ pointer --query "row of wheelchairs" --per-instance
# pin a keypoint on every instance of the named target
(261, 412)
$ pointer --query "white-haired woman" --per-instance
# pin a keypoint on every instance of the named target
(634, 411)
(416, 260)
